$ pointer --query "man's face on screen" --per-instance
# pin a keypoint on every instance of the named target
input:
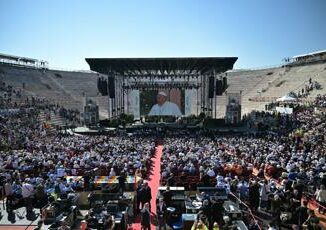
(160, 99)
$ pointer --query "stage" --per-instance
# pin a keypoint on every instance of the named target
(141, 87)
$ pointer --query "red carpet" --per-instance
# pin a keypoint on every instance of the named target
(154, 183)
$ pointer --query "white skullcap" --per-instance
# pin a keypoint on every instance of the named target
(162, 93)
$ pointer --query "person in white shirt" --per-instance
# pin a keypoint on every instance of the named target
(164, 107)
(27, 189)
(27, 193)
(321, 198)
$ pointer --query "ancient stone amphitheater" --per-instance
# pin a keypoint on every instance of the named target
(258, 87)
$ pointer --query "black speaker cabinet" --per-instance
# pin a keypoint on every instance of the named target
(211, 87)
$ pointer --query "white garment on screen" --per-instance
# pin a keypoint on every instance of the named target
(168, 108)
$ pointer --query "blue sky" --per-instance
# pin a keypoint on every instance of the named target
(65, 32)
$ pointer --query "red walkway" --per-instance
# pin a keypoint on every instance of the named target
(154, 183)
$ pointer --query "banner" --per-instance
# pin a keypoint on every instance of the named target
(134, 103)
(188, 102)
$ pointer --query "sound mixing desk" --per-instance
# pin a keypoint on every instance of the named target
(178, 196)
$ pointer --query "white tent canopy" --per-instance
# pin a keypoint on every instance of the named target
(286, 98)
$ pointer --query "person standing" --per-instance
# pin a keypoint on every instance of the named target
(253, 195)
(171, 180)
(161, 214)
(264, 191)
(146, 193)
(8, 191)
(145, 217)
(301, 213)
(139, 197)
(243, 190)
(217, 211)
(321, 198)
(167, 196)
(130, 215)
(27, 193)
(122, 182)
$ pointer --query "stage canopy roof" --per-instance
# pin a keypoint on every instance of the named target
(168, 66)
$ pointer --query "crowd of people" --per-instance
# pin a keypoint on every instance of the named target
(34, 162)
(46, 161)
(281, 165)
(18, 118)
(307, 89)
(320, 101)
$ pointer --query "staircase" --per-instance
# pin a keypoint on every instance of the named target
(55, 119)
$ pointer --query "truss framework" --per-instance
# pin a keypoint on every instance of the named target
(161, 73)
